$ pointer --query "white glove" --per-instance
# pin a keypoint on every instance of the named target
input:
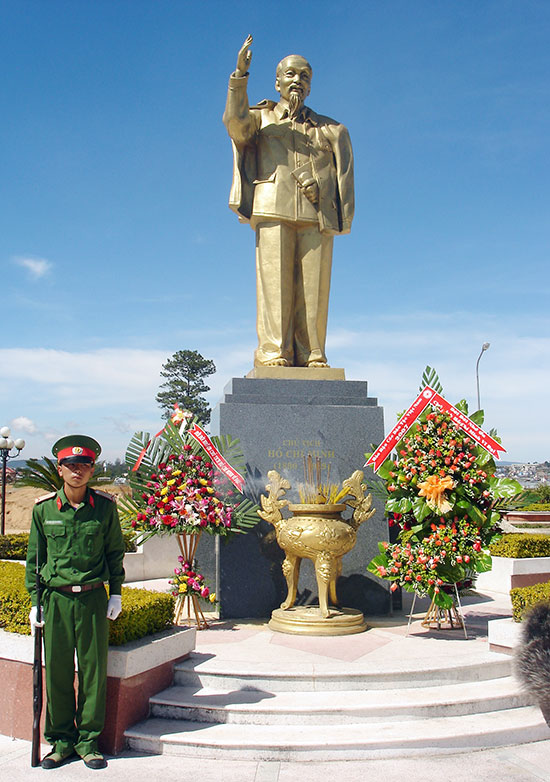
(114, 607)
(35, 620)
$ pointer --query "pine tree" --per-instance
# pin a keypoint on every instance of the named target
(184, 373)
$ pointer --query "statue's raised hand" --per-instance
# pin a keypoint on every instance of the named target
(244, 57)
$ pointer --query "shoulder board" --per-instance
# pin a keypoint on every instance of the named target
(45, 497)
(104, 494)
(265, 104)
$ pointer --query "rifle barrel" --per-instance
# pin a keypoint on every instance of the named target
(37, 675)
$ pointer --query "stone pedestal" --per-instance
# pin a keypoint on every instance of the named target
(278, 421)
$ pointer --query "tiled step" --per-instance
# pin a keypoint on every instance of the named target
(326, 707)
(213, 673)
(338, 741)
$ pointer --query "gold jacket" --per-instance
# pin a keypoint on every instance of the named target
(274, 156)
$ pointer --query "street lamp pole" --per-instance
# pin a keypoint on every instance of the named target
(484, 347)
(6, 445)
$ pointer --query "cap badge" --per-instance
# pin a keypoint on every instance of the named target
(77, 450)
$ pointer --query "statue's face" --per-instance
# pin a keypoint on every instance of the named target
(293, 76)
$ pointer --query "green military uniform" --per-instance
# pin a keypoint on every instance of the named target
(80, 548)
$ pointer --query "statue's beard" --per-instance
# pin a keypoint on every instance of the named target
(294, 105)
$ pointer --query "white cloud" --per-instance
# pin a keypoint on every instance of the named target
(93, 392)
(24, 424)
(99, 378)
(37, 267)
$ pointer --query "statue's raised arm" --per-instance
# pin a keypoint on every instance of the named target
(244, 57)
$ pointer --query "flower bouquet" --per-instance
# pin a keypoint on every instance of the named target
(178, 489)
(185, 483)
(181, 496)
(441, 493)
(189, 587)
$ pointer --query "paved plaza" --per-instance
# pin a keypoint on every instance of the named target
(387, 641)
(525, 763)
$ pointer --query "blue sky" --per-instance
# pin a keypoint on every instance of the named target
(117, 247)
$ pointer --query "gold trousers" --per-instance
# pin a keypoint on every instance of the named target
(293, 267)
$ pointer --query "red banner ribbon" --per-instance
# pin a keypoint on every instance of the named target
(469, 427)
(430, 397)
(222, 464)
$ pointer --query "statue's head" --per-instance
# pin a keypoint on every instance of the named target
(293, 79)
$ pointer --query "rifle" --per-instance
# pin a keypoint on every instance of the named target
(37, 675)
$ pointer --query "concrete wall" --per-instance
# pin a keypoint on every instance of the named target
(156, 558)
(507, 573)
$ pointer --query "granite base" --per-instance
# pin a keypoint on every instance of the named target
(278, 423)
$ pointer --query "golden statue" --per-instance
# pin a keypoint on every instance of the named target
(293, 182)
(317, 532)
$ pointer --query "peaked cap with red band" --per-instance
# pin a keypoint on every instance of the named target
(76, 448)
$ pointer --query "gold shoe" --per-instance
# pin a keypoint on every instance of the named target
(277, 362)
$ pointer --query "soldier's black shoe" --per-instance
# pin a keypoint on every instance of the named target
(94, 760)
(55, 759)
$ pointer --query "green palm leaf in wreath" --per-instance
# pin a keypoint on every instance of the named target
(45, 475)
(431, 378)
(230, 449)
(42, 476)
(138, 478)
(245, 515)
(128, 510)
(175, 441)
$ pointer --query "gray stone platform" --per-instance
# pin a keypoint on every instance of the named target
(279, 422)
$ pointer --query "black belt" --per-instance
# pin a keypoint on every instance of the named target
(80, 587)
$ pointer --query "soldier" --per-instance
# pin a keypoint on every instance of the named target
(77, 542)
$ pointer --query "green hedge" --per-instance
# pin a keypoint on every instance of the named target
(143, 612)
(130, 541)
(15, 602)
(516, 545)
(15, 546)
(524, 598)
(540, 506)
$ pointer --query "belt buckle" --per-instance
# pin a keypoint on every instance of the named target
(76, 588)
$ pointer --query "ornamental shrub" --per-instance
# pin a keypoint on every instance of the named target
(517, 545)
(129, 541)
(15, 601)
(540, 506)
(525, 598)
(143, 612)
(14, 546)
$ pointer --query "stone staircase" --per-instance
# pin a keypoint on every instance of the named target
(263, 711)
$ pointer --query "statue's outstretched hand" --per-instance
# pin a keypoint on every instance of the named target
(244, 57)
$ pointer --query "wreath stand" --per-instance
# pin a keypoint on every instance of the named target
(188, 546)
(437, 617)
